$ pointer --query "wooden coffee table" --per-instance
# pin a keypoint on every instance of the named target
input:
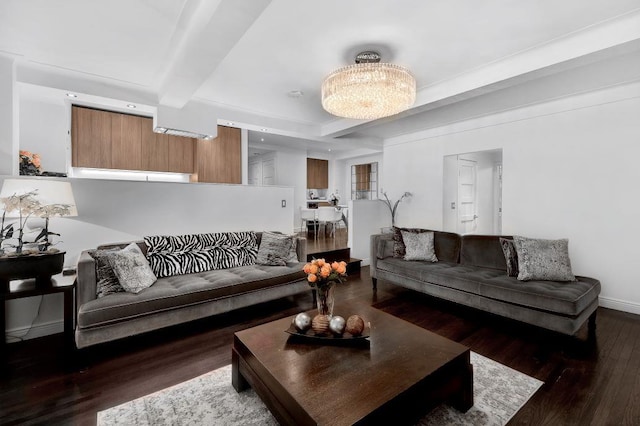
(399, 374)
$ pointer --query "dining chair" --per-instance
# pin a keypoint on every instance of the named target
(329, 215)
(306, 216)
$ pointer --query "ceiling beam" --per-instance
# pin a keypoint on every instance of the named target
(191, 62)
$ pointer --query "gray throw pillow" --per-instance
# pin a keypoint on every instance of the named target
(399, 248)
(545, 260)
(106, 281)
(274, 249)
(510, 256)
(293, 253)
(132, 269)
(419, 246)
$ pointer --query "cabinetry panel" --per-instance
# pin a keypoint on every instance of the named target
(181, 151)
(155, 148)
(317, 173)
(91, 138)
(220, 159)
(126, 142)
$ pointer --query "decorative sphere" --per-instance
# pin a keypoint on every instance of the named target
(355, 325)
(337, 324)
(302, 322)
(320, 324)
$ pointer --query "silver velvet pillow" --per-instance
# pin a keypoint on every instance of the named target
(132, 269)
(274, 249)
(545, 260)
(419, 246)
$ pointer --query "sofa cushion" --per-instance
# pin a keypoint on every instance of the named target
(550, 296)
(419, 246)
(106, 280)
(510, 256)
(132, 269)
(275, 249)
(188, 254)
(166, 264)
(399, 247)
(182, 243)
(446, 244)
(540, 259)
(174, 292)
(484, 251)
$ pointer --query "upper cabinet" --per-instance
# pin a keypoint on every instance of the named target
(111, 140)
(91, 138)
(181, 151)
(220, 160)
(126, 141)
(317, 173)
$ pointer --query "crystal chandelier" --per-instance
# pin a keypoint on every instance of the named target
(368, 89)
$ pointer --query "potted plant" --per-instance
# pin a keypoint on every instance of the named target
(41, 261)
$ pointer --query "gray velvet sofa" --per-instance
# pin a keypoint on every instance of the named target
(177, 299)
(472, 271)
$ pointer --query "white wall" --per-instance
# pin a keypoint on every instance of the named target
(9, 114)
(43, 130)
(366, 217)
(292, 171)
(115, 210)
(569, 170)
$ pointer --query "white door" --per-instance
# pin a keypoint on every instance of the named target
(269, 172)
(255, 173)
(467, 209)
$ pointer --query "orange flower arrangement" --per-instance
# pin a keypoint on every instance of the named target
(322, 276)
(321, 273)
(29, 163)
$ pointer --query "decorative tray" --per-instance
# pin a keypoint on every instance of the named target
(310, 334)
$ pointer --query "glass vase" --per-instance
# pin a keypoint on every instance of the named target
(325, 299)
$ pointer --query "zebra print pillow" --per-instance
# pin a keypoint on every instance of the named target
(181, 243)
(180, 255)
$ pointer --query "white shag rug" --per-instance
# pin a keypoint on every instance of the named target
(498, 392)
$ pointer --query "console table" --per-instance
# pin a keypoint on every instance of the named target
(27, 288)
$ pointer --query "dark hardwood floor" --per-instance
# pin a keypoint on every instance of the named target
(585, 382)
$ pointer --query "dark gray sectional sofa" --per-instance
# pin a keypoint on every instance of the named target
(472, 271)
(177, 299)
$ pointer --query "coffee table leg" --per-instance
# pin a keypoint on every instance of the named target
(464, 399)
(237, 380)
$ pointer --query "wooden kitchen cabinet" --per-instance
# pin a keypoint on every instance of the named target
(90, 138)
(155, 148)
(112, 140)
(126, 141)
(220, 160)
(317, 173)
(181, 151)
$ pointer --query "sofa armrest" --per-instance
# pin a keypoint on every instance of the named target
(86, 279)
(377, 251)
(301, 249)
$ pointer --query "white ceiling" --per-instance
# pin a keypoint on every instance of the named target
(244, 57)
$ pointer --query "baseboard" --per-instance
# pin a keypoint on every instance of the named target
(38, 330)
(620, 305)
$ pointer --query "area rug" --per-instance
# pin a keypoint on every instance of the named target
(498, 391)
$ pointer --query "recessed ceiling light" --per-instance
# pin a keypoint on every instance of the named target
(131, 106)
(329, 149)
(263, 130)
(261, 139)
(72, 95)
(295, 94)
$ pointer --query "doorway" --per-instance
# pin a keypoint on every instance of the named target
(472, 193)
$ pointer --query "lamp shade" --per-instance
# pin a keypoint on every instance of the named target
(48, 192)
